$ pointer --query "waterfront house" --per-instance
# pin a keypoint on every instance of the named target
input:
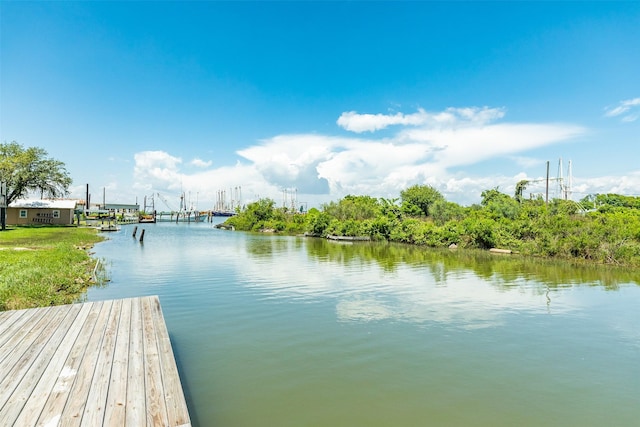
(31, 212)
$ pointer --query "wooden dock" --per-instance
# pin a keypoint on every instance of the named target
(107, 363)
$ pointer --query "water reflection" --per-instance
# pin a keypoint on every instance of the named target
(374, 281)
(500, 268)
(309, 332)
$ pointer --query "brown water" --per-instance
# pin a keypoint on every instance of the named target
(287, 331)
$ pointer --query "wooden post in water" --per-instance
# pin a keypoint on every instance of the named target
(142, 235)
(135, 230)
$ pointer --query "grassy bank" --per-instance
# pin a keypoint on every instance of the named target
(42, 266)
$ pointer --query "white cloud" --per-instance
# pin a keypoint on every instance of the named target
(201, 163)
(154, 166)
(354, 122)
(292, 160)
(425, 152)
(156, 159)
(430, 148)
(527, 162)
(159, 172)
(473, 144)
(452, 117)
(620, 184)
(627, 109)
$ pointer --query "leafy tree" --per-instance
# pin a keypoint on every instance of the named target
(443, 211)
(390, 208)
(29, 169)
(617, 200)
(520, 187)
(499, 204)
(317, 221)
(353, 207)
(418, 199)
(480, 231)
(263, 209)
(254, 216)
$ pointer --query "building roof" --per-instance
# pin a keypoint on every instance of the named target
(120, 206)
(43, 204)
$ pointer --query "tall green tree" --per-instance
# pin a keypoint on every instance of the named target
(353, 207)
(30, 169)
(499, 204)
(418, 199)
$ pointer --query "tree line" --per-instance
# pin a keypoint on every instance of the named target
(603, 228)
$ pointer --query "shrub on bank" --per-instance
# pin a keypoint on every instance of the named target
(562, 228)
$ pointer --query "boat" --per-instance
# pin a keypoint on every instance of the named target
(147, 219)
(223, 213)
(148, 215)
(224, 208)
(109, 227)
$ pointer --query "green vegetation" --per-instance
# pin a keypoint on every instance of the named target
(29, 169)
(41, 266)
(603, 229)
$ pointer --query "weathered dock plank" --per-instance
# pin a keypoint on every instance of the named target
(11, 325)
(136, 413)
(35, 364)
(79, 392)
(97, 397)
(170, 378)
(16, 365)
(116, 401)
(55, 403)
(156, 407)
(33, 406)
(102, 363)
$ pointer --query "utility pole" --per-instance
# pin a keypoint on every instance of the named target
(570, 180)
(547, 193)
(561, 191)
(87, 201)
(3, 205)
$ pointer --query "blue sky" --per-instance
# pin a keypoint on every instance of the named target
(327, 98)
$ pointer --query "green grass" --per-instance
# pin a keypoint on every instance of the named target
(43, 266)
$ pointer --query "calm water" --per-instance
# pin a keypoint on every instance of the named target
(286, 331)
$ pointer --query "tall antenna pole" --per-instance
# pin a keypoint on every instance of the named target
(570, 180)
(561, 192)
(547, 193)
